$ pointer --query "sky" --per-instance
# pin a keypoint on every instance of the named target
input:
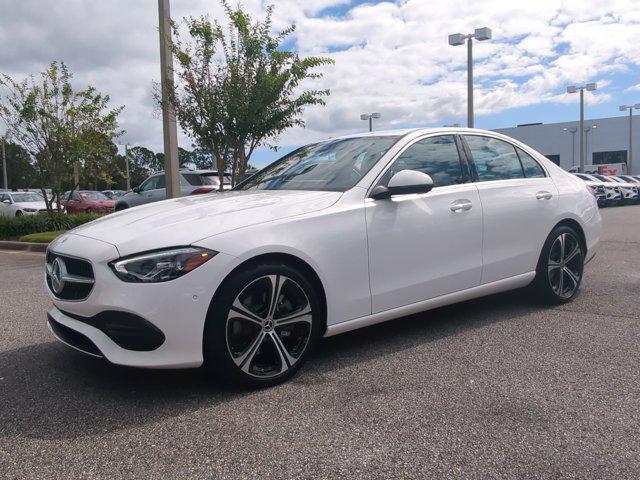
(390, 57)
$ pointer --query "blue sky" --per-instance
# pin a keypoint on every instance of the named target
(390, 57)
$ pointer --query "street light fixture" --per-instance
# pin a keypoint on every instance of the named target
(573, 89)
(630, 159)
(370, 117)
(457, 39)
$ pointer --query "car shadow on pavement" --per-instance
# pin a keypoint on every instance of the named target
(49, 391)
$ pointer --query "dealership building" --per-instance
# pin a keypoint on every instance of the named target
(606, 142)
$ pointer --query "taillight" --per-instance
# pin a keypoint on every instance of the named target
(592, 190)
(200, 190)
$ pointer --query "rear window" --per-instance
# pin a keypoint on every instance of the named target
(198, 179)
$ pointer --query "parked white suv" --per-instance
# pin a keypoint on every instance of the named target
(333, 237)
(599, 188)
(153, 189)
(628, 190)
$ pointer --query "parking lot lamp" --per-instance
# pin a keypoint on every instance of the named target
(456, 39)
(172, 179)
(630, 159)
(370, 117)
(573, 89)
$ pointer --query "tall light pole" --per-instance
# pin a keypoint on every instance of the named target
(573, 89)
(572, 131)
(630, 159)
(171, 172)
(4, 165)
(370, 117)
(459, 39)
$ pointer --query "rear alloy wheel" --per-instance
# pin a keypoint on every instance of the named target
(560, 266)
(264, 327)
(19, 213)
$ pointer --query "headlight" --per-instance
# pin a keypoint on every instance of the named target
(161, 266)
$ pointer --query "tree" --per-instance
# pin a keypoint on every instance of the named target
(57, 125)
(238, 90)
(20, 170)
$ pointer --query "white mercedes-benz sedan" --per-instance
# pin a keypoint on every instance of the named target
(334, 236)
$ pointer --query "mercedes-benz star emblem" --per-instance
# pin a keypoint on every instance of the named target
(58, 272)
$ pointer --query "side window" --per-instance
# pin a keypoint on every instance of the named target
(149, 184)
(531, 167)
(493, 158)
(76, 196)
(435, 156)
(3, 197)
(160, 182)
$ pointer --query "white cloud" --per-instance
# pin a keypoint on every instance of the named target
(390, 57)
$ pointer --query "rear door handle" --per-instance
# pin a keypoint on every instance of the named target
(544, 195)
(461, 206)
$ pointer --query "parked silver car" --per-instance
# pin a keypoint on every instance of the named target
(153, 188)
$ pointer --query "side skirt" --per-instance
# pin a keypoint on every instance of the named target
(503, 285)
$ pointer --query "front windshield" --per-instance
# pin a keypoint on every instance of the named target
(604, 179)
(27, 197)
(335, 165)
(94, 196)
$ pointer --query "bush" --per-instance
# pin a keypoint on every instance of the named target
(44, 237)
(15, 227)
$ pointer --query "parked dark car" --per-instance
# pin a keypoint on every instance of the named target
(87, 201)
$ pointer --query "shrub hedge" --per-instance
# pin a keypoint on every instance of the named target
(15, 227)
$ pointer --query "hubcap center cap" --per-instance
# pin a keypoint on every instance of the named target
(267, 325)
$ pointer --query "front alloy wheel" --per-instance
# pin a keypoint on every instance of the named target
(269, 326)
(262, 325)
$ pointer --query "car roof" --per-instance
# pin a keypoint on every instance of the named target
(417, 131)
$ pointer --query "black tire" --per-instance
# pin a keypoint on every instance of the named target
(553, 270)
(19, 213)
(121, 206)
(254, 362)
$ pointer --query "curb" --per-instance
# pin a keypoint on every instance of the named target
(24, 246)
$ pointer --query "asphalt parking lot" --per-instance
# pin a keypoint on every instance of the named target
(493, 388)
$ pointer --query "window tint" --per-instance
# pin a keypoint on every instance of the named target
(152, 183)
(336, 165)
(531, 167)
(493, 158)
(3, 197)
(435, 156)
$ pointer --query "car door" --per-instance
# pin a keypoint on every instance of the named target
(150, 190)
(518, 202)
(6, 209)
(425, 245)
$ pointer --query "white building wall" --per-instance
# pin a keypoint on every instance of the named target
(610, 134)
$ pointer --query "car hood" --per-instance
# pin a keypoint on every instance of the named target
(183, 221)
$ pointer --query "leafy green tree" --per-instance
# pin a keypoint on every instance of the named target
(238, 88)
(20, 170)
(57, 125)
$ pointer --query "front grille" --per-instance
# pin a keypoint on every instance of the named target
(71, 279)
(600, 189)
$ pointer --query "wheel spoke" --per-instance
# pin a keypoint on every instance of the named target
(553, 265)
(244, 360)
(572, 255)
(562, 242)
(301, 316)
(276, 288)
(239, 311)
(574, 278)
(285, 358)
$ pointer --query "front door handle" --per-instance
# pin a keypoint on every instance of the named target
(543, 195)
(461, 206)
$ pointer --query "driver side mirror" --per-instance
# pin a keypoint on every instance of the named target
(7, 201)
(136, 189)
(404, 182)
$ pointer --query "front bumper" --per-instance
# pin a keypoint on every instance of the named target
(176, 309)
